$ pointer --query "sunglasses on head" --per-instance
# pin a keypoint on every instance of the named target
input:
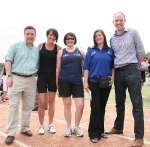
(69, 38)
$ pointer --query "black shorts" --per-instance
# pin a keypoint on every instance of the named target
(66, 89)
(46, 83)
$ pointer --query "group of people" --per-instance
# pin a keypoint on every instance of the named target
(63, 69)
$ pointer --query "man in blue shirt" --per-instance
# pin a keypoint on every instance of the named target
(21, 67)
(129, 52)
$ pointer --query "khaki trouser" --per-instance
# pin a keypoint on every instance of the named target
(24, 88)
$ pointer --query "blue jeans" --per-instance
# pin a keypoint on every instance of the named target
(129, 77)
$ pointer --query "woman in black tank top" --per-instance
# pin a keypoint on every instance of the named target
(48, 59)
(46, 83)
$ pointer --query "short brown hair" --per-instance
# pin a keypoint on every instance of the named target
(53, 31)
(72, 35)
(29, 27)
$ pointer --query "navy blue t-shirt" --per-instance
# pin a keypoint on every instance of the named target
(99, 63)
(71, 66)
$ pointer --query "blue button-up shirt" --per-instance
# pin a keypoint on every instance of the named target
(99, 63)
(24, 59)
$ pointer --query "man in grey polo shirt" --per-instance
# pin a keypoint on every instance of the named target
(21, 67)
(129, 52)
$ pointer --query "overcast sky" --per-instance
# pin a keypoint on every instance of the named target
(79, 16)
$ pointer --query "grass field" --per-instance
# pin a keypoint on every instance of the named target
(145, 93)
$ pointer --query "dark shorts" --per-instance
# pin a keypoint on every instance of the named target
(46, 83)
(67, 89)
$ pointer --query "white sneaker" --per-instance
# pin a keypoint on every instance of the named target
(77, 131)
(51, 129)
(41, 130)
(68, 132)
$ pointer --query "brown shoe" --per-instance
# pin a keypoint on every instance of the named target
(137, 143)
(27, 133)
(9, 140)
(115, 131)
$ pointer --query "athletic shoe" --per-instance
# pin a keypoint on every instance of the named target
(68, 132)
(51, 129)
(41, 130)
(77, 131)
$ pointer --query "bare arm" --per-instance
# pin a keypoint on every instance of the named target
(86, 85)
(40, 45)
(8, 65)
(58, 66)
(112, 77)
(82, 52)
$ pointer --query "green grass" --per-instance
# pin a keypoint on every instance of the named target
(145, 93)
(146, 96)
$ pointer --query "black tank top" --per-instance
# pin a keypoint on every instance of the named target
(47, 61)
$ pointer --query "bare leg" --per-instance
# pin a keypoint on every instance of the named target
(79, 104)
(51, 105)
(67, 110)
(41, 107)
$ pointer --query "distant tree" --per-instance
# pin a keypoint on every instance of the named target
(147, 55)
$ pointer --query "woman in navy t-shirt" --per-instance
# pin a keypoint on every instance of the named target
(98, 66)
(69, 77)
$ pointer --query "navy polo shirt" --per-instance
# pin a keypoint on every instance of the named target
(99, 63)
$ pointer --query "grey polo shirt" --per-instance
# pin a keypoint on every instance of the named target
(128, 48)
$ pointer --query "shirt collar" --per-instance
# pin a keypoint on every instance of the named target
(101, 50)
(27, 46)
(125, 30)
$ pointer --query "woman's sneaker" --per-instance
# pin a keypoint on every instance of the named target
(77, 131)
(51, 129)
(41, 130)
(68, 132)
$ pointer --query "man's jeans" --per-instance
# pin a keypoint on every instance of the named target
(129, 77)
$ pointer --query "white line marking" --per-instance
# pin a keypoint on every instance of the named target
(108, 113)
(129, 138)
(84, 127)
(16, 141)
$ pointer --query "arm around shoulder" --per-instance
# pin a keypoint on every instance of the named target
(40, 46)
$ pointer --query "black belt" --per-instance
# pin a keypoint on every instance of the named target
(21, 75)
(127, 66)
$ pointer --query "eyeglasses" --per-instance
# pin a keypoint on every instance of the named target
(70, 39)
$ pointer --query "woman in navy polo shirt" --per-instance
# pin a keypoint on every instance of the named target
(98, 64)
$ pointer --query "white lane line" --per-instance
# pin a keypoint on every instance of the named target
(129, 138)
(16, 140)
(86, 128)
(107, 113)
